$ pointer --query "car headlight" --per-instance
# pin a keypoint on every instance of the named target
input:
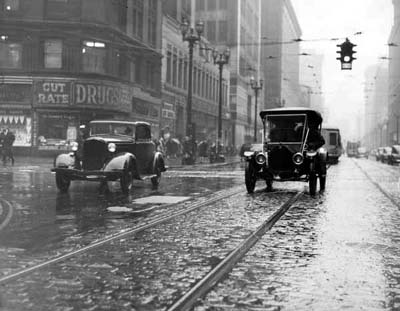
(112, 147)
(74, 146)
(298, 158)
(261, 158)
(323, 150)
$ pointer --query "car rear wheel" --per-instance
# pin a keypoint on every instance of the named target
(126, 179)
(250, 177)
(62, 182)
(312, 183)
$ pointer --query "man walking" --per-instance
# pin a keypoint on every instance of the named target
(8, 142)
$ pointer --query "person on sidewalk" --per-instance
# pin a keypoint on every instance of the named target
(8, 147)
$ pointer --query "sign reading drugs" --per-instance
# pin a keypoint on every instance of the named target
(53, 93)
(103, 96)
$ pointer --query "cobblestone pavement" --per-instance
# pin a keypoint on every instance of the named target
(340, 253)
(150, 270)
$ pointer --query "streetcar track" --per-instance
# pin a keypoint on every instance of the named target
(188, 300)
(376, 184)
(123, 233)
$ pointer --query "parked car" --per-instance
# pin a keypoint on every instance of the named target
(387, 151)
(362, 152)
(290, 150)
(394, 157)
(114, 150)
(379, 154)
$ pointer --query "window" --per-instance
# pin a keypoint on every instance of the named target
(10, 55)
(11, 5)
(222, 31)
(332, 138)
(169, 68)
(152, 27)
(223, 4)
(132, 69)
(200, 5)
(137, 24)
(211, 31)
(175, 69)
(94, 57)
(211, 5)
(53, 54)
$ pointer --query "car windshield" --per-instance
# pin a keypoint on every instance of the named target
(112, 129)
(284, 128)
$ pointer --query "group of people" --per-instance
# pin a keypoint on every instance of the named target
(7, 139)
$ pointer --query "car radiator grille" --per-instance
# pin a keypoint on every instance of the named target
(280, 159)
(94, 155)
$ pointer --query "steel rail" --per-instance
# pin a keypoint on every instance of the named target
(385, 193)
(126, 232)
(187, 301)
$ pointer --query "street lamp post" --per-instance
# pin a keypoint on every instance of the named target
(256, 86)
(220, 59)
(191, 36)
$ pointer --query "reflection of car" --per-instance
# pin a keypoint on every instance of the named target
(394, 157)
(362, 152)
(379, 154)
(333, 143)
(386, 154)
(290, 149)
(114, 150)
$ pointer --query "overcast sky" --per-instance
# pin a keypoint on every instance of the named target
(327, 19)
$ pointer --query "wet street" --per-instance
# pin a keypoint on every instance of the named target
(100, 250)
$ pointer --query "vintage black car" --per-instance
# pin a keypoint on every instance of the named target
(291, 149)
(113, 150)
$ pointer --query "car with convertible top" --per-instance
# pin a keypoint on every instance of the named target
(291, 149)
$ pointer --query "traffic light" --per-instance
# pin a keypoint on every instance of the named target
(346, 54)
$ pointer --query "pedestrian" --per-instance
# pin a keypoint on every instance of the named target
(8, 147)
(2, 136)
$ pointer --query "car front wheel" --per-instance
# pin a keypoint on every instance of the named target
(62, 182)
(250, 177)
(312, 183)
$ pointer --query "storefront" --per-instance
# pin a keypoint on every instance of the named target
(61, 106)
(15, 110)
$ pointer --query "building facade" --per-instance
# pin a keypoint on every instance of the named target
(205, 78)
(280, 54)
(64, 63)
(237, 24)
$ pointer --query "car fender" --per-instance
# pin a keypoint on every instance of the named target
(64, 160)
(118, 162)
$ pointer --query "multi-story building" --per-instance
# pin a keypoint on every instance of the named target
(376, 130)
(394, 76)
(280, 32)
(66, 62)
(237, 24)
(205, 82)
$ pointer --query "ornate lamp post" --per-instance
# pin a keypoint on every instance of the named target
(220, 59)
(256, 86)
(191, 36)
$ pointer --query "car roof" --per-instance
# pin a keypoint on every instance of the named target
(313, 115)
(121, 122)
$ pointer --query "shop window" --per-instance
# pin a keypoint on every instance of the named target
(94, 57)
(53, 54)
(10, 55)
(11, 5)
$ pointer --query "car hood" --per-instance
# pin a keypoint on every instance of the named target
(111, 139)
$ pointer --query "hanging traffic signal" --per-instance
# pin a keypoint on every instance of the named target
(346, 54)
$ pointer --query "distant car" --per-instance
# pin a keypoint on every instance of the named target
(394, 157)
(362, 152)
(387, 151)
(333, 144)
(379, 154)
(114, 150)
